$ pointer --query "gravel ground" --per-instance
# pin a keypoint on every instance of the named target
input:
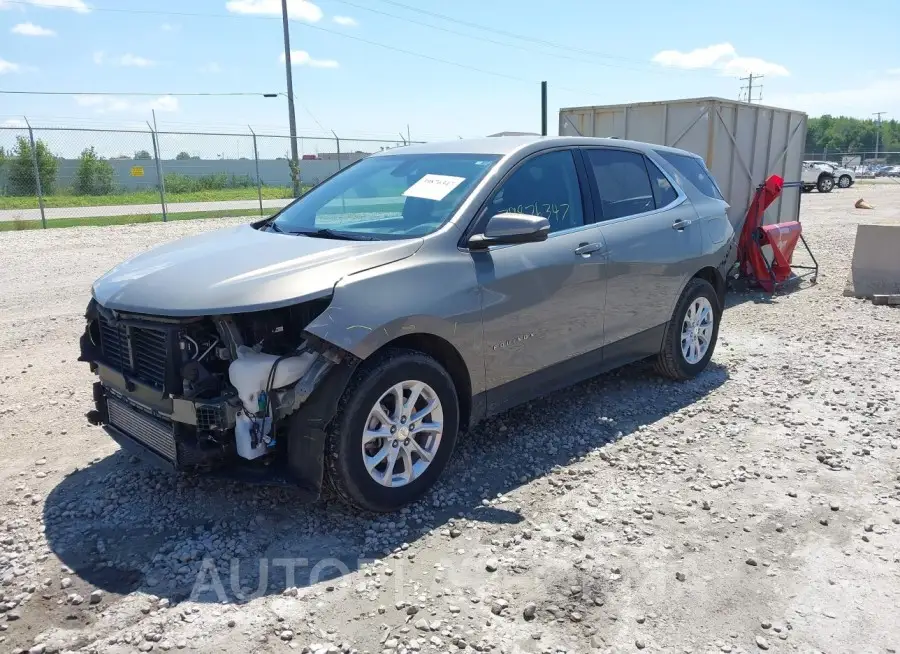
(754, 508)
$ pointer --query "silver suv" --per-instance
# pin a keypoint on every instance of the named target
(350, 338)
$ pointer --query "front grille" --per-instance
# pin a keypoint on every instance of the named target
(116, 344)
(139, 351)
(158, 435)
(148, 347)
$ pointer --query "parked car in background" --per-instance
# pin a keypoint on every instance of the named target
(844, 177)
(352, 336)
(813, 177)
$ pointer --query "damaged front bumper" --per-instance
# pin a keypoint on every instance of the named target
(198, 435)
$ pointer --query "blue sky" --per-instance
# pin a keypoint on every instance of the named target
(591, 52)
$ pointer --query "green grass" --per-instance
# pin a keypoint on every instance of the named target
(103, 221)
(144, 197)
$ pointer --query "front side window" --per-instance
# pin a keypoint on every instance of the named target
(387, 197)
(622, 182)
(545, 185)
(693, 170)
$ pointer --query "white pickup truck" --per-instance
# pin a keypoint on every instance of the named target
(815, 177)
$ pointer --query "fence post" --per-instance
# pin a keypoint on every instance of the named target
(159, 173)
(37, 173)
(258, 183)
(338, 147)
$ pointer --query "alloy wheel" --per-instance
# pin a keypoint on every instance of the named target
(696, 330)
(402, 433)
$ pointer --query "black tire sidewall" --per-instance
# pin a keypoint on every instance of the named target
(345, 462)
(697, 288)
(841, 181)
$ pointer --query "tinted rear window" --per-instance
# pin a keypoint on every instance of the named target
(693, 170)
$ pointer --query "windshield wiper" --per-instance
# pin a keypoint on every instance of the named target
(330, 233)
(275, 228)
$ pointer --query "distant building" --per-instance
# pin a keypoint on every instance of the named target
(514, 134)
(344, 156)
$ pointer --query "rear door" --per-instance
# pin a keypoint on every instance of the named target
(652, 240)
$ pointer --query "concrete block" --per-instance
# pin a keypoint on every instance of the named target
(876, 262)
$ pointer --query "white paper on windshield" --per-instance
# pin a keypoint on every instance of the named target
(433, 187)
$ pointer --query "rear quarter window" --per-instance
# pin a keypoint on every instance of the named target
(693, 170)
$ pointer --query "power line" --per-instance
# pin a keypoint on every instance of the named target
(482, 39)
(141, 93)
(412, 53)
(494, 30)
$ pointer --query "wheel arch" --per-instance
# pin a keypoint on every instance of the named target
(714, 277)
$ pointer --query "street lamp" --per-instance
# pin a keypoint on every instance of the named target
(295, 164)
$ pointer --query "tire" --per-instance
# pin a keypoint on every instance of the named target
(825, 183)
(671, 361)
(845, 181)
(346, 472)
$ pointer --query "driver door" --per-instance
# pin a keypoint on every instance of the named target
(542, 303)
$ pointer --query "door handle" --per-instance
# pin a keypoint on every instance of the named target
(586, 249)
(679, 224)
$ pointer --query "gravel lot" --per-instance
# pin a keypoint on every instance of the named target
(754, 508)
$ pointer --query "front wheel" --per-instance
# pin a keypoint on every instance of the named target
(394, 432)
(691, 333)
(825, 184)
(845, 181)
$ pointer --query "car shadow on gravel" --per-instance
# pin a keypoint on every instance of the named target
(122, 525)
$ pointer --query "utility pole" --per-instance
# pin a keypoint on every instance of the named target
(878, 114)
(543, 108)
(295, 164)
(749, 88)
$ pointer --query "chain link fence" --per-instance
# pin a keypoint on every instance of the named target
(59, 177)
(863, 164)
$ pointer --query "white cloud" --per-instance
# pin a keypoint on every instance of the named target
(14, 122)
(346, 21)
(135, 61)
(302, 58)
(722, 57)
(297, 9)
(169, 27)
(893, 71)
(8, 67)
(75, 5)
(30, 29)
(99, 57)
(112, 104)
(858, 101)
(211, 68)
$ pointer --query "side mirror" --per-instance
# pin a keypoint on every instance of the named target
(511, 228)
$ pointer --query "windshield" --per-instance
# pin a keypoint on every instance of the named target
(387, 197)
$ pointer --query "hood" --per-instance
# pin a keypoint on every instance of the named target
(237, 270)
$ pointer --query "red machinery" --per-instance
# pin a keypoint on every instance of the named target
(771, 269)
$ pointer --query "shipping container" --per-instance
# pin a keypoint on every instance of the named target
(742, 144)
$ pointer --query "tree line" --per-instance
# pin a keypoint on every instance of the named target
(847, 135)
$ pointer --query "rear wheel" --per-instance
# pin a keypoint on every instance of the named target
(394, 432)
(825, 183)
(691, 333)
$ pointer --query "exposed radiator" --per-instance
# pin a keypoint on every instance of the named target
(156, 434)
